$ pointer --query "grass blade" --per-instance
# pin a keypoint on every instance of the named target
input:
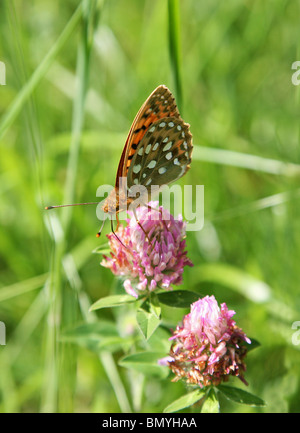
(38, 74)
(245, 160)
(22, 287)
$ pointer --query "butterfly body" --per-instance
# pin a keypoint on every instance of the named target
(157, 151)
(116, 201)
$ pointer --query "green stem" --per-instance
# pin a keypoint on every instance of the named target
(107, 359)
(111, 370)
(174, 47)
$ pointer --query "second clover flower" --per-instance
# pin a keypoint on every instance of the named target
(208, 347)
(155, 254)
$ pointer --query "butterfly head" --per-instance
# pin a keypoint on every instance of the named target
(116, 202)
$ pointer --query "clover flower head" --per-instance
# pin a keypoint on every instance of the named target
(208, 347)
(153, 252)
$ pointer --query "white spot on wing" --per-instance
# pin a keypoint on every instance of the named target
(169, 155)
(162, 170)
(148, 149)
(167, 146)
(136, 168)
(152, 164)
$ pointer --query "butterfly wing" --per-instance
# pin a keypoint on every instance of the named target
(160, 104)
(163, 155)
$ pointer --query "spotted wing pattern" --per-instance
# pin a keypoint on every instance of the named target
(159, 105)
(163, 155)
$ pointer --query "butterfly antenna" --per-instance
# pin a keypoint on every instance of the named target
(67, 205)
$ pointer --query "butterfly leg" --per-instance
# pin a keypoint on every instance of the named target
(153, 208)
(137, 220)
(99, 232)
(118, 222)
(157, 210)
(112, 229)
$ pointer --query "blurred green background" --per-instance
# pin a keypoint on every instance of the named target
(76, 75)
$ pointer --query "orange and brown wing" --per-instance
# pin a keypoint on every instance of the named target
(160, 104)
(163, 155)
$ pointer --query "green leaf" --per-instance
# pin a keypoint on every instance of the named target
(102, 249)
(95, 336)
(147, 321)
(211, 403)
(146, 363)
(152, 306)
(185, 401)
(159, 341)
(114, 344)
(96, 330)
(112, 301)
(240, 396)
(254, 344)
(178, 298)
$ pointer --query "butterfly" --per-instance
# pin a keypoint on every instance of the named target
(158, 149)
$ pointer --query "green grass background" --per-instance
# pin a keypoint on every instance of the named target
(76, 74)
